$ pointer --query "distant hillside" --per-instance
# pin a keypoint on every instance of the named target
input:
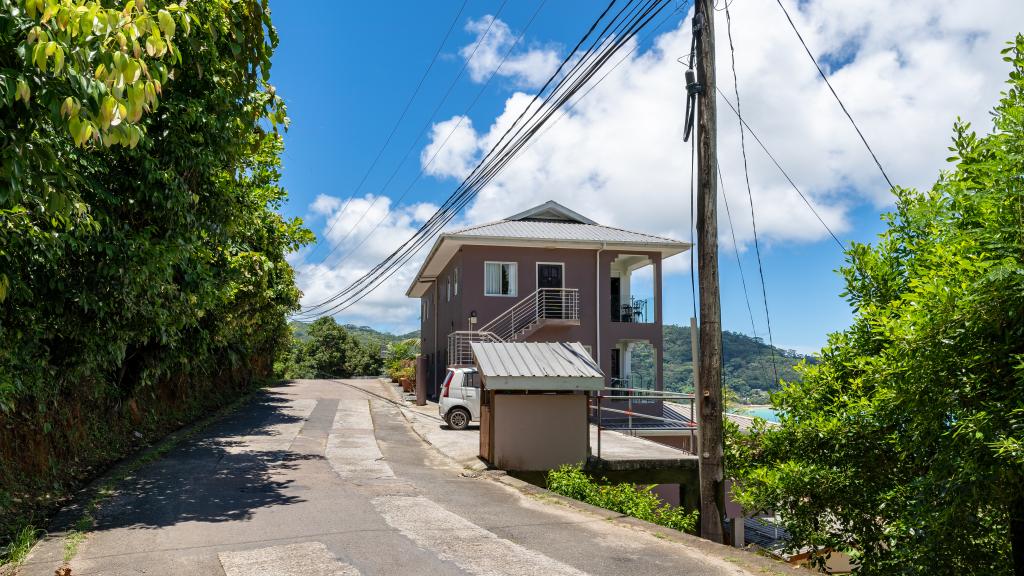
(747, 368)
(363, 334)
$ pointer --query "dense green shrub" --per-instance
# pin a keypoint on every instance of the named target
(400, 359)
(143, 278)
(625, 498)
(905, 444)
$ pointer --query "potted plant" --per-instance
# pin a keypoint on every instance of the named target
(407, 375)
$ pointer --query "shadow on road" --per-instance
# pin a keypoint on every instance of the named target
(233, 469)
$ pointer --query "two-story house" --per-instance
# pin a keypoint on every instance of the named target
(547, 274)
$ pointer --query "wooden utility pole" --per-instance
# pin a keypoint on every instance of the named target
(712, 466)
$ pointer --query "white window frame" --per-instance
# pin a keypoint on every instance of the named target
(448, 289)
(513, 286)
(536, 273)
(425, 312)
(456, 282)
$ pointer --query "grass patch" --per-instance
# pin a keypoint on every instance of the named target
(14, 553)
(71, 542)
(624, 498)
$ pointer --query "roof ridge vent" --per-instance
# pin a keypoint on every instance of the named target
(551, 211)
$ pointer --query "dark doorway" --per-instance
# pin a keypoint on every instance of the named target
(549, 275)
(616, 298)
(549, 301)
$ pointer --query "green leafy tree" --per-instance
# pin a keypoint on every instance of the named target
(143, 278)
(905, 444)
(327, 349)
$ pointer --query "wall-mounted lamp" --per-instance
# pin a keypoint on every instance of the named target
(472, 319)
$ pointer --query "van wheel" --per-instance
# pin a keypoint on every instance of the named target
(458, 418)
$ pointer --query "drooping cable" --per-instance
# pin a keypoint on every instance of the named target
(432, 225)
(420, 133)
(401, 117)
(781, 169)
(572, 105)
(750, 194)
(824, 77)
(739, 265)
(519, 133)
(499, 154)
(492, 170)
(693, 240)
(693, 88)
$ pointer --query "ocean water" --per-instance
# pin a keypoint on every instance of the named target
(765, 412)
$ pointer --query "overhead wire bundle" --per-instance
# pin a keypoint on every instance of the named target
(604, 38)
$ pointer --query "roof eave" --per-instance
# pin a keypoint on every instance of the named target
(421, 282)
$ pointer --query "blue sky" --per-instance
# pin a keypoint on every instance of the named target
(346, 70)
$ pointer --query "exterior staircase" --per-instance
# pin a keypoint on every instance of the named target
(544, 307)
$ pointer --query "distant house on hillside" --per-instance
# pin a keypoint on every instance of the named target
(547, 274)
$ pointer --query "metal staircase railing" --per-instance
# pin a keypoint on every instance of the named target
(542, 304)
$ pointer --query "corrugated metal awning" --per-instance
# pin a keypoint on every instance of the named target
(537, 366)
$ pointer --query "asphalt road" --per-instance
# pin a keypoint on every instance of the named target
(319, 478)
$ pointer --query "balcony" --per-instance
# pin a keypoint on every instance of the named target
(632, 296)
(636, 312)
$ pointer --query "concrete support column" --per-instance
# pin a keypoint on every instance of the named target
(421, 380)
(738, 532)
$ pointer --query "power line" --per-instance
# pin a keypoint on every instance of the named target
(833, 90)
(487, 167)
(572, 105)
(750, 194)
(450, 134)
(739, 264)
(413, 244)
(693, 172)
(421, 131)
(781, 169)
(604, 45)
(394, 128)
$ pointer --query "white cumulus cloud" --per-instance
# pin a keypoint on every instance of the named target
(364, 231)
(905, 73)
(528, 68)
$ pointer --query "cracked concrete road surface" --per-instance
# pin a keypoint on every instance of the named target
(318, 477)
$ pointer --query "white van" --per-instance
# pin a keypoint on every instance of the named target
(459, 403)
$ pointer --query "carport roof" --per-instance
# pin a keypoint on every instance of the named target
(535, 360)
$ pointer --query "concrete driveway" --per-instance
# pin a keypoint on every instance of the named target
(318, 477)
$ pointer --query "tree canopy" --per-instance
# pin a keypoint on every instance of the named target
(142, 261)
(327, 350)
(905, 444)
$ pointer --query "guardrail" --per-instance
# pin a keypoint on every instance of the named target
(637, 422)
